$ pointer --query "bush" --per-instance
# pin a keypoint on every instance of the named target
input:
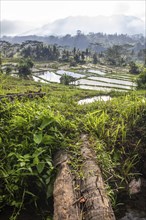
(66, 79)
(24, 68)
(141, 81)
(133, 68)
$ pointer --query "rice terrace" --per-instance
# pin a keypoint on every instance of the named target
(73, 111)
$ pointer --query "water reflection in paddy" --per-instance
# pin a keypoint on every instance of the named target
(92, 83)
(97, 72)
(100, 88)
(49, 76)
(76, 75)
(123, 77)
(93, 99)
(104, 84)
(110, 80)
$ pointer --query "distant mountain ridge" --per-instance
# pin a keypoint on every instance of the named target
(107, 24)
(93, 41)
(110, 24)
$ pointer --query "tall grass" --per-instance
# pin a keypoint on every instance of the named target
(31, 131)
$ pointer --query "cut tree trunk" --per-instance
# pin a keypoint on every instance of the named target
(90, 202)
(96, 202)
(64, 195)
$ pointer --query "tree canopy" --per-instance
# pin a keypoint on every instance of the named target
(133, 68)
(141, 81)
(66, 79)
(24, 67)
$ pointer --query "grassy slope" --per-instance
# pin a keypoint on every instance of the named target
(32, 130)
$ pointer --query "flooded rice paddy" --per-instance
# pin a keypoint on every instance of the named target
(102, 84)
(111, 80)
(76, 75)
(88, 79)
(97, 72)
(48, 76)
(93, 99)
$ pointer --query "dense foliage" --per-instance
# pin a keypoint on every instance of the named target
(133, 68)
(141, 80)
(116, 50)
(66, 79)
(31, 131)
(24, 67)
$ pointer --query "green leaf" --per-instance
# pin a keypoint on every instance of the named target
(50, 164)
(46, 122)
(40, 167)
(50, 190)
(47, 139)
(38, 152)
(37, 138)
(12, 154)
(29, 168)
(48, 180)
(16, 204)
(36, 161)
(22, 164)
(26, 156)
(30, 193)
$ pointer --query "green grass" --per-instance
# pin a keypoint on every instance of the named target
(32, 130)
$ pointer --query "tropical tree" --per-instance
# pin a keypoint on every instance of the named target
(83, 56)
(144, 57)
(24, 68)
(8, 70)
(66, 79)
(77, 58)
(141, 81)
(133, 68)
(113, 54)
(0, 59)
(95, 60)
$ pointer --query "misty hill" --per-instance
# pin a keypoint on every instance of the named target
(119, 24)
(106, 24)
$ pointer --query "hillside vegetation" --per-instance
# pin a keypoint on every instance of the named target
(41, 118)
(33, 130)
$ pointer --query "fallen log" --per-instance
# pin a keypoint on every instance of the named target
(64, 195)
(91, 201)
(96, 202)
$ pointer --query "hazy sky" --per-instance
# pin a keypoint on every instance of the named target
(40, 12)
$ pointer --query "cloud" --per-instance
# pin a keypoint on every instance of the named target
(111, 24)
(49, 11)
(7, 27)
(121, 8)
(13, 27)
